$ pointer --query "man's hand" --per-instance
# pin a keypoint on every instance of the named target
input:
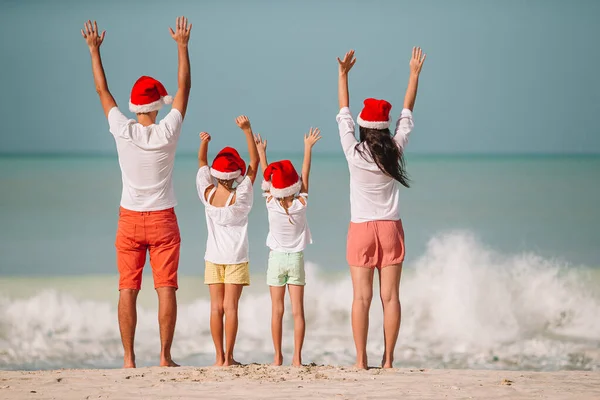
(261, 145)
(182, 31)
(243, 122)
(347, 63)
(184, 76)
(312, 137)
(205, 137)
(93, 40)
(417, 60)
(90, 34)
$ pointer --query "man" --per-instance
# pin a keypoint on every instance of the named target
(147, 221)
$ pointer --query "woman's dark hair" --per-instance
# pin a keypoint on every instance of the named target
(385, 152)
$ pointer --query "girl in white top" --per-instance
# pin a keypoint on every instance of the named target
(375, 234)
(227, 208)
(286, 200)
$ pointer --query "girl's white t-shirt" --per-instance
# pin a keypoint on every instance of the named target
(227, 241)
(287, 233)
(374, 196)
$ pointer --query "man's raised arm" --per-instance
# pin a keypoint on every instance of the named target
(93, 40)
(184, 79)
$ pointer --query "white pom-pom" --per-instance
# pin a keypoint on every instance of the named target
(167, 99)
(265, 186)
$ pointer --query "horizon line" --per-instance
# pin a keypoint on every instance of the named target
(317, 153)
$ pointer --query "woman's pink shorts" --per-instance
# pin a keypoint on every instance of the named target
(375, 244)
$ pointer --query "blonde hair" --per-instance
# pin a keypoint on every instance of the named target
(227, 183)
(286, 208)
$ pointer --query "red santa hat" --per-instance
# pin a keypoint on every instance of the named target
(148, 95)
(375, 114)
(228, 165)
(281, 179)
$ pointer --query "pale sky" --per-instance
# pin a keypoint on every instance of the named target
(500, 76)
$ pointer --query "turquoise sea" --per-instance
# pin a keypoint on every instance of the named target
(502, 269)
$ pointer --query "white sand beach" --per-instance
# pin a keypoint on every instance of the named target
(310, 382)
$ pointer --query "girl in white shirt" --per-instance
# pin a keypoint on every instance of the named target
(227, 208)
(375, 234)
(286, 200)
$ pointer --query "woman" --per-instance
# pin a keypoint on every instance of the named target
(375, 234)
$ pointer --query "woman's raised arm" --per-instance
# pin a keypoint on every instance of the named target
(416, 63)
(345, 66)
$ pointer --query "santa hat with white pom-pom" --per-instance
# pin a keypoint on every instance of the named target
(148, 95)
(375, 114)
(281, 179)
(228, 165)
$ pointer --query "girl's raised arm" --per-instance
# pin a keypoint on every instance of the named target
(203, 151)
(261, 147)
(345, 66)
(244, 123)
(312, 137)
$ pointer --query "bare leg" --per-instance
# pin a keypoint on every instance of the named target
(362, 285)
(127, 323)
(389, 283)
(167, 317)
(230, 307)
(217, 294)
(297, 297)
(277, 308)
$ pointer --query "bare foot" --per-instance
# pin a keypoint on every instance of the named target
(230, 363)
(297, 360)
(360, 366)
(219, 360)
(277, 360)
(129, 362)
(168, 363)
(387, 364)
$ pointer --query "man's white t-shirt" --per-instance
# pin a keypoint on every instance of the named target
(227, 241)
(146, 157)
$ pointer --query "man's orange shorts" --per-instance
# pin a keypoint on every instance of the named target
(154, 231)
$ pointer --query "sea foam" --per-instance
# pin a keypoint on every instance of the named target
(464, 305)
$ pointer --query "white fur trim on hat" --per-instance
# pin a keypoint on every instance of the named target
(225, 176)
(372, 124)
(265, 185)
(154, 106)
(288, 191)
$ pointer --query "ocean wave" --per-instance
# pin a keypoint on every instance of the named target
(464, 305)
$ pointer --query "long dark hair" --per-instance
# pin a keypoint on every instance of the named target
(385, 152)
